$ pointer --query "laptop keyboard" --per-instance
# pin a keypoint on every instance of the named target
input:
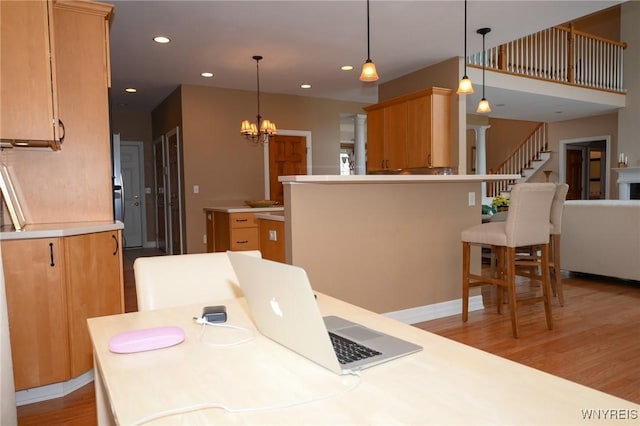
(349, 351)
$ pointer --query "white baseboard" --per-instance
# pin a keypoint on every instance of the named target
(55, 390)
(435, 311)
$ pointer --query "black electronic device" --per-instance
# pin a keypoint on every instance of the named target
(214, 314)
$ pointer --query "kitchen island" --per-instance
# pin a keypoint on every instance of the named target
(388, 243)
(234, 227)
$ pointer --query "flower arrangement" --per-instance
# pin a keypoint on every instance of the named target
(500, 202)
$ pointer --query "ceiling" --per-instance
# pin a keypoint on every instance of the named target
(308, 41)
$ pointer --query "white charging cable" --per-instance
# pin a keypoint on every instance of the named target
(206, 323)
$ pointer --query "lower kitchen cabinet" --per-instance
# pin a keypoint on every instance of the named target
(235, 231)
(53, 285)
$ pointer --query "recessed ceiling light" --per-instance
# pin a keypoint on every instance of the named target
(131, 90)
(346, 67)
(206, 74)
(305, 86)
(161, 39)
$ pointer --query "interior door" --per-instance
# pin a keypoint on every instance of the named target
(573, 177)
(133, 192)
(287, 156)
(160, 203)
(173, 189)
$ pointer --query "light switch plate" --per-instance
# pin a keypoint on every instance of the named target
(472, 199)
(273, 235)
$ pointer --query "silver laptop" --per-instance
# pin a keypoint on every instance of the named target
(284, 309)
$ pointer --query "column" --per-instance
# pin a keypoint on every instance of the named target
(481, 153)
(359, 149)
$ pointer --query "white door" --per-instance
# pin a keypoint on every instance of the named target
(131, 156)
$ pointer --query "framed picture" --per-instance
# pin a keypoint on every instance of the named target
(11, 198)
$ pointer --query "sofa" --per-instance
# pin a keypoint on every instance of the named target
(602, 237)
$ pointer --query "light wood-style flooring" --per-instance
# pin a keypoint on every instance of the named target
(595, 341)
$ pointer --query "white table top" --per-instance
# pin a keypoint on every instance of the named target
(53, 230)
(344, 179)
(446, 383)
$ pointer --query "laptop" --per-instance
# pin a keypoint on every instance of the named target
(284, 308)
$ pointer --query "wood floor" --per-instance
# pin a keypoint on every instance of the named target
(595, 341)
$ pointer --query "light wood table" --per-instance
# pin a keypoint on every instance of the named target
(446, 383)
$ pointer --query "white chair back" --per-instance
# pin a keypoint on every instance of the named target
(557, 207)
(528, 222)
(166, 281)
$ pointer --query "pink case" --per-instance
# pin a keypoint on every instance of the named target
(146, 340)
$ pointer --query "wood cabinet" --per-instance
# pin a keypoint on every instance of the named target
(235, 231)
(73, 184)
(28, 87)
(272, 242)
(410, 131)
(53, 285)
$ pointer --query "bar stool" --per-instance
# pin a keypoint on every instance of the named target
(527, 224)
(557, 208)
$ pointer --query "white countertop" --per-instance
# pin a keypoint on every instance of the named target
(394, 178)
(279, 216)
(53, 230)
(243, 209)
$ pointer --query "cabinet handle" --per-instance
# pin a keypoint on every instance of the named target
(242, 242)
(64, 132)
(429, 160)
(242, 220)
(51, 254)
(115, 240)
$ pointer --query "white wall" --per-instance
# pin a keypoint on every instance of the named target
(628, 123)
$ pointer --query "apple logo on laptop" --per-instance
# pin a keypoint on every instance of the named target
(275, 307)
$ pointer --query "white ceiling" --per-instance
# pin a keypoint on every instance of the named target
(307, 42)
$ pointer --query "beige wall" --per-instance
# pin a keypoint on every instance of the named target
(221, 162)
(503, 136)
(444, 74)
(629, 117)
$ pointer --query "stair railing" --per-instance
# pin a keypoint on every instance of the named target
(560, 54)
(520, 158)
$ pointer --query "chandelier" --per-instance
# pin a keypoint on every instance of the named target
(262, 129)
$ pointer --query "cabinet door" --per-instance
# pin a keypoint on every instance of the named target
(395, 135)
(441, 128)
(28, 100)
(419, 132)
(34, 280)
(94, 288)
(375, 140)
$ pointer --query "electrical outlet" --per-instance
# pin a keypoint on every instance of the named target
(273, 235)
(196, 189)
(204, 238)
(472, 199)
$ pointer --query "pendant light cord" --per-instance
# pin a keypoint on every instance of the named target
(258, 117)
(465, 38)
(484, 63)
(368, 35)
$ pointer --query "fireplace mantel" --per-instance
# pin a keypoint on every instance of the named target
(627, 176)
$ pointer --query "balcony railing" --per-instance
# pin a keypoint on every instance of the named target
(560, 54)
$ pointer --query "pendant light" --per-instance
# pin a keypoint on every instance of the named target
(465, 87)
(262, 129)
(483, 105)
(369, 72)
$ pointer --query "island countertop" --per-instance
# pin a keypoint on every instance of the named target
(395, 178)
(243, 209)
(52, 230)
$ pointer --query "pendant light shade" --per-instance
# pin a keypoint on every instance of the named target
(369, 73)
(465, 87)
(483, 105)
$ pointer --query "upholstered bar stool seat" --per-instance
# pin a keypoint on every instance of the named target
(527, 224)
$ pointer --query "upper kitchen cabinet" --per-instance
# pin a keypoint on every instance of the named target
(410, 131)
(73, 184)
(28, 89)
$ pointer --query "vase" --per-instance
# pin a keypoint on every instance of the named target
(503, 208)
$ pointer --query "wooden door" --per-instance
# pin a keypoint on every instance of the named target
(287, 156)
(36, 304)
(573, 173)
(395, 136)
(95, 287)
(375, 140)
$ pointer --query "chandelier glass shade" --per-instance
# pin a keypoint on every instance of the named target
(262, 129)
(369, 73)
(465, 87)
(483, 105)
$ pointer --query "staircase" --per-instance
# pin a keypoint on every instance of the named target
(525, 160)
